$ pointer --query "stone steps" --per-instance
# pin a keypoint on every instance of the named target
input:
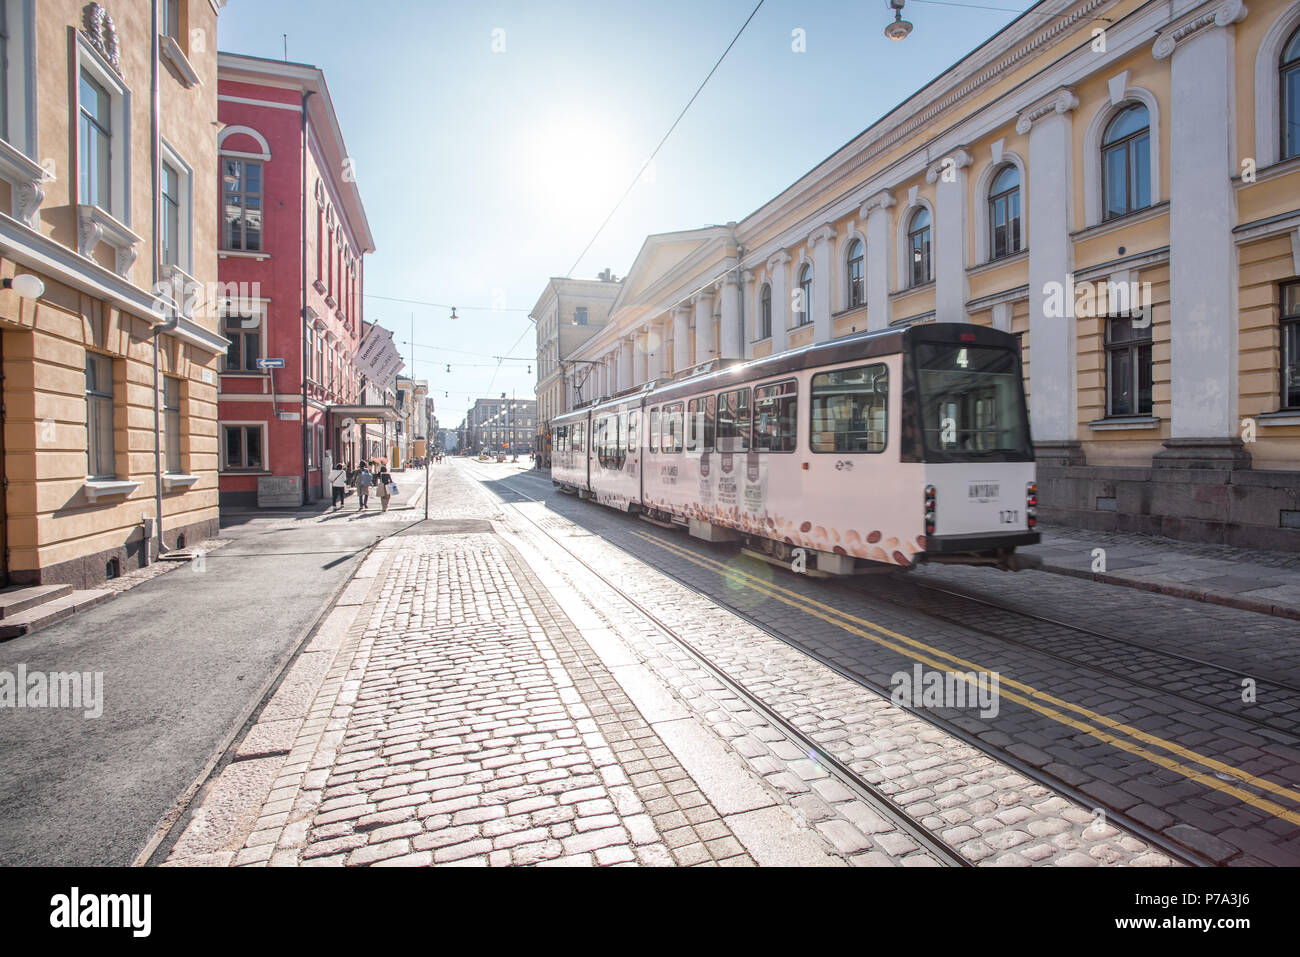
(23, 610)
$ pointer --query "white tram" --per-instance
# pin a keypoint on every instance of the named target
(893, 447)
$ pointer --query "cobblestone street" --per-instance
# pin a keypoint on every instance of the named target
(497, 687)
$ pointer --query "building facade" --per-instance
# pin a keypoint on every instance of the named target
(293, 238)
(501, 425)
(107, 251)
(568, 313)
(1117, 183)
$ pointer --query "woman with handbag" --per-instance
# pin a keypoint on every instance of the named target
(386, 486)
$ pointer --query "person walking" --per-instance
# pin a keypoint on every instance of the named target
(338, 485)
(363, 482)
(385, 487)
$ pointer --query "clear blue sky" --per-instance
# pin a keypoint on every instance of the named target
(484, 173)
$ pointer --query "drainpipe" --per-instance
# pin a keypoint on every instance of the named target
(302, 332)
(170, 324)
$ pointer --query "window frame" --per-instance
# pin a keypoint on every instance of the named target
(1015, 243)
(915, 233)
(244, 428)
(1132, 348)
(89, 62)
(95, 399)
(1286, 323)
(242, 332)
(764, 329)
(1125, 143)
(856, 288)
(1285, 69)
(243, 193)
(812, 409)
(804, 284)
(173, 461)
(794, 419)
(744, 432)
(672, 423)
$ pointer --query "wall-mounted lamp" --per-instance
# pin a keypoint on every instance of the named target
(26, 285)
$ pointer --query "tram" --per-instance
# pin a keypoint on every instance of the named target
(887, 448)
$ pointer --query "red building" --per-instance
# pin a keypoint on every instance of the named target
(292, 240)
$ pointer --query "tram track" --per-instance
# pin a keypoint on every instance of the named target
(868, 793)
(850, 778)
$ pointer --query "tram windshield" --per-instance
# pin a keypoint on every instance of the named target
(972, 402)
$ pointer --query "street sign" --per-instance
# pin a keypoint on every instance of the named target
(289, 416)
(270, 363)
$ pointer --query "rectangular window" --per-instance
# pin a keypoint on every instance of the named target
(1291, 344)
(699, 424)
(971, 401)
(242, 447)
(171, 409)
(318, 366)
(99, 417)
(775, 416)
(170, 16)
(580, 316)
(733, 421)
(654, 430)
(1128, 367)
(244, 333)
(95, 143)
(578, 437)
(671, 427)
(241, 184)
(850, 409)
(169, 242)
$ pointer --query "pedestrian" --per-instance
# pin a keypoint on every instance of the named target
(338, 485)
(385, 486)
(364, 481)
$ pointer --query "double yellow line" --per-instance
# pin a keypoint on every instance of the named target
(1099, 726)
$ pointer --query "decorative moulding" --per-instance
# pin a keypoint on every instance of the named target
(172, 51)
(96, 489)
(173, 480)
(26, 177)
(1059, 101)
(1180, 28)
(95, 225)
(98, 29)
(882, 199)
(823, 234)
(959, 158)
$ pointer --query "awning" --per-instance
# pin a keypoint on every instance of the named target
(364, 414)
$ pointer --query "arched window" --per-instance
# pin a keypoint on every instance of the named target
(803, 315)
(765, 312)
(1126, 162)
(857, 283)
(1004, 213)
(1290, 87)
(918, 242)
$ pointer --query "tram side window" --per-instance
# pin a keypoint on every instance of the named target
(631, 431)
(672, 427)
(850, 409)
(575, 436)
(653, 437)
(776, 410)
(733, 421)
(561, 438)
(699, 424)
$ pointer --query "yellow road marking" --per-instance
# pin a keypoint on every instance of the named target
(919, 651)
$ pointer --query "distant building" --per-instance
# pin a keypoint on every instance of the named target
(502, 424)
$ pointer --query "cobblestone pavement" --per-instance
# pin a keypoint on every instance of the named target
(1226, 789)
(461, 718)
(990, 812)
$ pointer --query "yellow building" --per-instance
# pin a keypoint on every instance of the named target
(108, 215)
(1115, 181)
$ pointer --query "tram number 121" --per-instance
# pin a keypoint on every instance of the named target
(1009, 516)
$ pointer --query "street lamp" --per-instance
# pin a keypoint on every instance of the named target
(900, 28)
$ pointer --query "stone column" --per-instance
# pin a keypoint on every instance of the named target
(732, 337)
(703, 303)
(1053, 386)
(681, 338)
(950, 286)
(748, 313)
(1202, 256)
(875, 215)
(823, 257)
(654, 351)
(624, 364)
(779, 268)
(640, 346)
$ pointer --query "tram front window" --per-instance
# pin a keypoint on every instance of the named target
(972, 402)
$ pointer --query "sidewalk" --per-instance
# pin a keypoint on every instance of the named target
(1249, 579)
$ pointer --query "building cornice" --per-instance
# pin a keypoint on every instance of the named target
(1189, 24)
